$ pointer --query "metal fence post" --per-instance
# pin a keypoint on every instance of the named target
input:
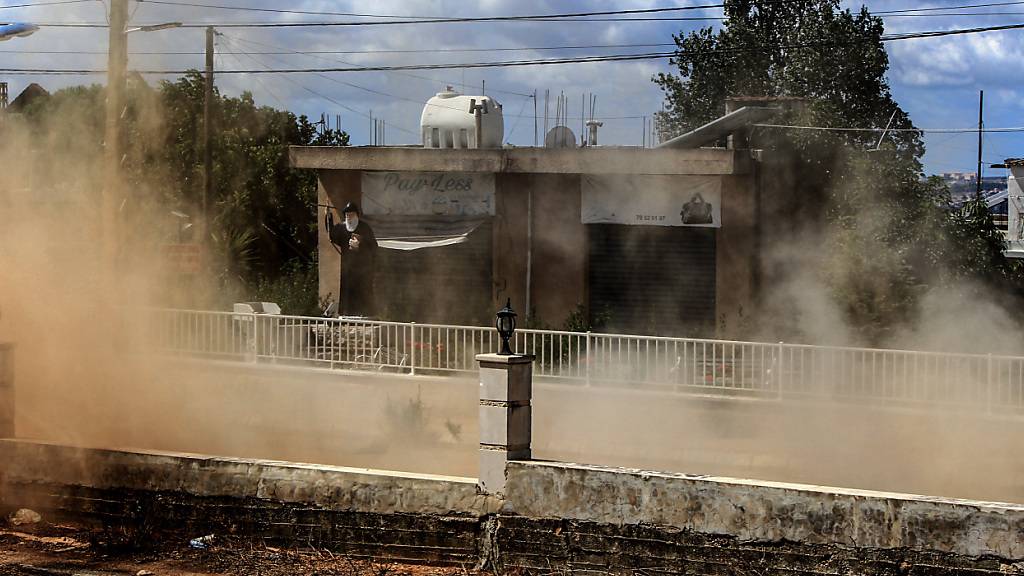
(779, 368)
(412, 351)
(988, 387)
(586, 365)
(254, 347)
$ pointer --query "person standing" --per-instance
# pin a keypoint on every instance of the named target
(357, 244)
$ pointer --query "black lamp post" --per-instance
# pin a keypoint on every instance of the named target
(506, 325)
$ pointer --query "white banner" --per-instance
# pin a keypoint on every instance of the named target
(428, 193)
(650, 200)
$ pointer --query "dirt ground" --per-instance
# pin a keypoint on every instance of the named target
(66, 550)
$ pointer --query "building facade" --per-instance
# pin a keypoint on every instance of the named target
(653, 241)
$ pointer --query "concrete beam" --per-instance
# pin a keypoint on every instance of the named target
(596, 160)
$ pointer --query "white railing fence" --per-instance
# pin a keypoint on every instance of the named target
(969, 381)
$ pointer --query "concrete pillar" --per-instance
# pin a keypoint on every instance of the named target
(6, 390)
(506, 386)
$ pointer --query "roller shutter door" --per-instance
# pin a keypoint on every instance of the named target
(656, 280)
(446, 284)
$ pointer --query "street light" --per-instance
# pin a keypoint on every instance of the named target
(506, 325)
(17, 30)
(154, 27)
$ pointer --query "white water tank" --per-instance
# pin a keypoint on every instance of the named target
(447, 121)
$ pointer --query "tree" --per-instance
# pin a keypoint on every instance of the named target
(257, 194)
(263, 212)
(887, 233)
(804, 48)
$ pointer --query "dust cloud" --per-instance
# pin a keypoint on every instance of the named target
(84, 328)
(86, 374)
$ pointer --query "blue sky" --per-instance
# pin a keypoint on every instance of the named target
(935, 80)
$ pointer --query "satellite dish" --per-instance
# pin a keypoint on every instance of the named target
(560, 137)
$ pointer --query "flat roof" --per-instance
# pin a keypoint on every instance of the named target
(587, 160)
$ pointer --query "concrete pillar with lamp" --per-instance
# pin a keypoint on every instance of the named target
(506, 388)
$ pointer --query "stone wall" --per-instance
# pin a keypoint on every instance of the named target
(555, 516)
(757, 511)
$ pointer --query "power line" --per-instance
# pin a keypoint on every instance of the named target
(377, 92)
(403, 20)
(940, 8)
(470, 20)
(418, 77)
(227, 47)
(412, 100)
(924, 130)
(423, 51)
(37, 4)
(324, 76)
(943, 14)
(533, 62)
(388, 22)
(328, 98)
(501, 64)
(954, 32)
(398, 19)
(432, 18)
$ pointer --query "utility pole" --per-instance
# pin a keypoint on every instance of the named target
(204, 203)
(981, 108)
(113, 150)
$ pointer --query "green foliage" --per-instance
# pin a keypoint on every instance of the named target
(263, 225)
(579, 320)
(888, 233)
(256, 191)
(296, 290)
(809, 49)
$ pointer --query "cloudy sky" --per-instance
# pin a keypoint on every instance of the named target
(935, 80)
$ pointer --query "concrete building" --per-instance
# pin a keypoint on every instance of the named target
(655, 241)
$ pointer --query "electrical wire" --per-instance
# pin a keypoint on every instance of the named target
(405, 20)
(924, 130)
(944, 14)
(328, 98)
(227, 47)
(535, 62)
(527, 97)
(371, 90)
(433, 18)
(518, 118)
(424, 51)
(398, 19)
(376, 23)
(408, 22)
(84, 71)
(416, 76)
(940, 8)
(38, 4)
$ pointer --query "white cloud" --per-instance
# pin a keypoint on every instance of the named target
(935, 79)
